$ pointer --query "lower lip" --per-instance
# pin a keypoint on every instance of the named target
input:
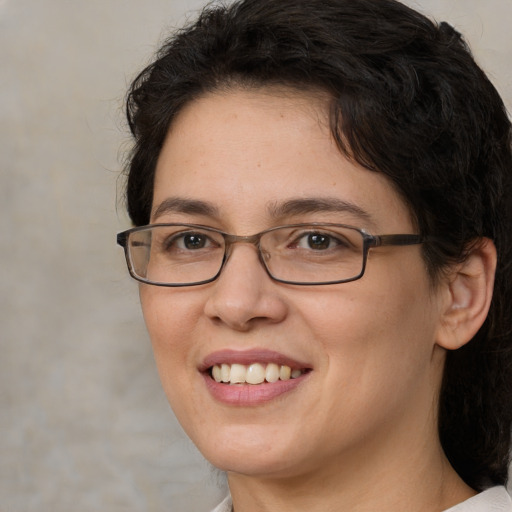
(247, 395)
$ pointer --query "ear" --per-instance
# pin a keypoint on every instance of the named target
(468, 293)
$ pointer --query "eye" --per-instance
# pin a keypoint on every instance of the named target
(192, 241)
(189, 241)
(181, 242)
(318, 241)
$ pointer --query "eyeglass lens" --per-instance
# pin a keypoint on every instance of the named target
(183, 254)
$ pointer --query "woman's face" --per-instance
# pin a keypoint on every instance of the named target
(369, 365)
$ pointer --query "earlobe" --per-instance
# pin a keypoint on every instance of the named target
(468, 293)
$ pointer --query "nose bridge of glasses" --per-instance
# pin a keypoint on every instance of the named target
(239, 239)
(231, 240)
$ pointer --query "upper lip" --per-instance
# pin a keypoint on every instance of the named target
(246, 357)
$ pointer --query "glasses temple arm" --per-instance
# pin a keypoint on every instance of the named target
(379, 240)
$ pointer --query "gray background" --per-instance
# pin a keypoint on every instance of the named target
(84, 425)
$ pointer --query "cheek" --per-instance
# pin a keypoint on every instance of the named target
(170, 322)
(375, 332)
(376, 362)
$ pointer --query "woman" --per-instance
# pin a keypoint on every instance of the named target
(323, 240)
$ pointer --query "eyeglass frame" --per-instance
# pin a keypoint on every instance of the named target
(369, 242)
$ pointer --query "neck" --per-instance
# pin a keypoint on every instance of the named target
(408, 478)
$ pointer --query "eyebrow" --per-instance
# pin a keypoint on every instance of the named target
(186, 206)
(301, 206)
(289, 208)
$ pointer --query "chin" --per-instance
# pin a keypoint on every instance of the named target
(250, 450)
(255, 465)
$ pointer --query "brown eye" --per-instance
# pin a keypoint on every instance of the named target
(188, 241)
(194, 241)
(318, 241)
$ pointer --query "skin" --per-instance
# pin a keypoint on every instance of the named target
(360, 432)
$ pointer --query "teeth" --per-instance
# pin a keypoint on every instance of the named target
(238, 374)
(256, 373)
(217, 373)
(225, 370)
(285, 372)
(272, 373)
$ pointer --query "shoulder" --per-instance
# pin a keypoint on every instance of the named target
(495, 499)
(225, 506)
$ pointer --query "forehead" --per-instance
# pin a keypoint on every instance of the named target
(248, 152)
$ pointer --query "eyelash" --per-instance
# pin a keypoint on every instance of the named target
(178, 239)
(332, 238)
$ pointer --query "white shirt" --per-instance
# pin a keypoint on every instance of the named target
(225, 506)
(495, 499)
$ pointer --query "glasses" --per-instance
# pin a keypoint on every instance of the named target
(301, 254)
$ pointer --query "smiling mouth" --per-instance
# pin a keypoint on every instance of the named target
(256, 373)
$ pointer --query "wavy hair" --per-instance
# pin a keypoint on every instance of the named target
(407, 100)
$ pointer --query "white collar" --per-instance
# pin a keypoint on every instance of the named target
(495, 499)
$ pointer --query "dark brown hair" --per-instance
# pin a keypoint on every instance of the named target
(409, 101)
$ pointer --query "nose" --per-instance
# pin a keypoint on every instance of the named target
(244, 295)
